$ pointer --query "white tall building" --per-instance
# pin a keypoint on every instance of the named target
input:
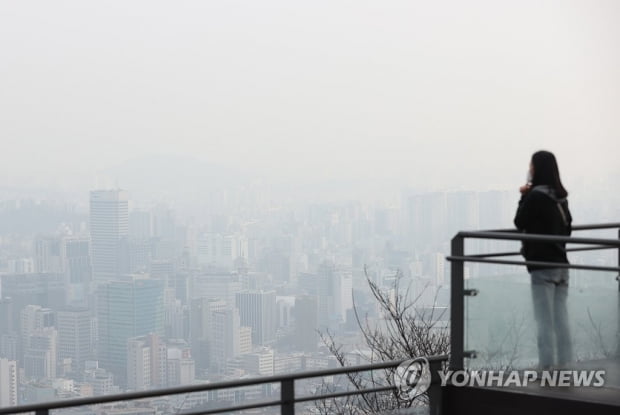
(343, 292)
(245, 339)
(334, 291)
(138, 364)
(109, 231)
(8, 383)
(146, 362)
(181, 368)
(225, 337)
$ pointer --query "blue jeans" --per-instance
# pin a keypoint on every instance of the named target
(549, 293)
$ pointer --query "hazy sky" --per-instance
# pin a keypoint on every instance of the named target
(451, 93)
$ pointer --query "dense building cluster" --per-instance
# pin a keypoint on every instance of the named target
(127, 299)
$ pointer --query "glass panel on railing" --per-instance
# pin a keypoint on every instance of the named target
(499, 323)
(594, 307)
(502, 322)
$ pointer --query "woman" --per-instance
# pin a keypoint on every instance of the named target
(543, 209)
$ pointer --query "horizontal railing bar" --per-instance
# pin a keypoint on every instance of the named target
(360, 368)
(467, 258)
(586, 227)
(538, 238)
(234, 408)
(205, 387)
(593, 226)
(300, 399)
(515, 253)
(343, 394)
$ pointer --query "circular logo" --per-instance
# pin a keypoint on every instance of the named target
(412, 378)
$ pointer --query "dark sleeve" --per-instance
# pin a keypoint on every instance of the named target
(525, 211)
(570, 219)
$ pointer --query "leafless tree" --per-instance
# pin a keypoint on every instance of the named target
(407, 331)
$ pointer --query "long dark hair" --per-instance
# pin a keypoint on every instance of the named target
(546, 172)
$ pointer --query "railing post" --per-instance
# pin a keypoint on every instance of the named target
(457, 304)
(42, 412)
(618, 276)
(434, 391)
(618, 330)
(287, 395)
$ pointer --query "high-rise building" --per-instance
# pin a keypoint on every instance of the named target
(78, 270)
(175, 316)
(257, 309)
(462, 211)
(306, 323)
(109, 231)
(9, 346)
(74, 336)
(146, 362)
(226, 342)
(8, 383)
(7, 322)
(201, 328)
(34, 318)
(78, 261)
(333, 287)
(46, 290)
(245, 339)
(9, 339)
(181, 368)
(140, 233)
(128, 307)
(40, 355)
(139, 254)
(426, 220)
(49, 255)
(138, 364)
(285, 306)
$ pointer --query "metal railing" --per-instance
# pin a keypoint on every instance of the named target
(457, 271)
(287, 400)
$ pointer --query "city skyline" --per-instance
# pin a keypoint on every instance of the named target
(201, 192)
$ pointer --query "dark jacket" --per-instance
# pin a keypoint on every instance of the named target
(541, 212)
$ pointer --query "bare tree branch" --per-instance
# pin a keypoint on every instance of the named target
(406, 332)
